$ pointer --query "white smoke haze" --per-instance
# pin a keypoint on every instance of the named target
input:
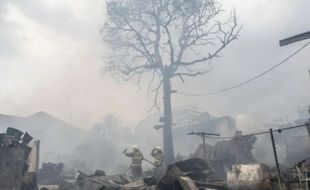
(51, 59)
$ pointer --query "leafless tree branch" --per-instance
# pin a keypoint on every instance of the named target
(156, 37)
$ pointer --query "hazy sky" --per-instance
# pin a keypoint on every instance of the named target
(51, 60)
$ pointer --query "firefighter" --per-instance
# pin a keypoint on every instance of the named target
(136, 162)
(157, 154)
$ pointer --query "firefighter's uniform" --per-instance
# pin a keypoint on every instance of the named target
(158, 156)
(136, 162)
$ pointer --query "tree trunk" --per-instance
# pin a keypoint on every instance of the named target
(167, 129)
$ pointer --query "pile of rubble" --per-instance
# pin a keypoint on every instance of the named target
(182, 175)
(19, 171)
(195, 173)
(191, 174)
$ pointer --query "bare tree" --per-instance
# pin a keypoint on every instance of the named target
(167, 39)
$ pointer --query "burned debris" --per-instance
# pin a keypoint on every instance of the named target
(224, 154)
(228, 165)
(249, 176)
(298, 176)
(14, 163)
(50, 174)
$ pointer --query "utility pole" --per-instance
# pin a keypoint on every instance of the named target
(308, 123)
(295, 38)
(276, 158)
(203, 136)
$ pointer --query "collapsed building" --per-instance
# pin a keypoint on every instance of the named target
(16, 167)
(224, 154)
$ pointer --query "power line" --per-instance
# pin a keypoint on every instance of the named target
(284, 74)
(258, 133)
(246, 81)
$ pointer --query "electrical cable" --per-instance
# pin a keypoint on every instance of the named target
(258, 133)
(248, 80)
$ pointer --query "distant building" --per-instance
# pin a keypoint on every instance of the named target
(57, 137)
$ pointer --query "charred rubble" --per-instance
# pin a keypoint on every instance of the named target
(195, 173)
(16, 170)
(224, 154)
(229, 165)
